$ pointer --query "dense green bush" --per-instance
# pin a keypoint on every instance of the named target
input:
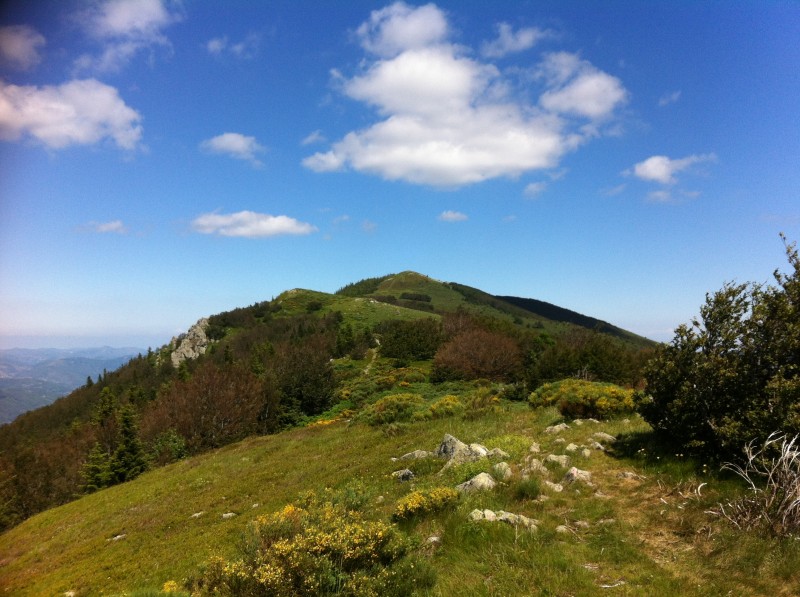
(576, 398)
(393, 408)
(733, 376)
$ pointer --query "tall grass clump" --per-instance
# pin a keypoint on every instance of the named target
(772, 501)
(577, 398)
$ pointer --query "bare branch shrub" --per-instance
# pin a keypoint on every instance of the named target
(772, 500)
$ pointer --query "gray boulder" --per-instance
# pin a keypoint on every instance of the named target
(575, 474)
(480, 482)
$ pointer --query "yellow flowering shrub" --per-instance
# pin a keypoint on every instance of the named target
(577, 398)
(319, 548)
(170, 587)
(419, 503)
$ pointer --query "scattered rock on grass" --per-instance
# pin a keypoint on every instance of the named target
(604, 437)
(403, 475)
(502, 471)
(560, 460)
(575, 474)
(480, 482)
(556, 428)
(228, 515)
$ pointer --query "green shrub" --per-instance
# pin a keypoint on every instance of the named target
(447, 406)
(481, 402)
(392, 408)
(733, 375)
(576, 398)
(420, 503)
(319, 549)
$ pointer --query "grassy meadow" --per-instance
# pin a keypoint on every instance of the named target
(642, 529)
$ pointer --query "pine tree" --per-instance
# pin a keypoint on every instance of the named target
(129, 460)
(97, 469)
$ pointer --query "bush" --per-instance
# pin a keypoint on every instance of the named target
(733, 376)
(477, 353)
(576, 398)
(319, 549)
(447, 406)
(393, 408)
(420, 503)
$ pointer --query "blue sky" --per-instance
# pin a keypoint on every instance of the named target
(162, 161)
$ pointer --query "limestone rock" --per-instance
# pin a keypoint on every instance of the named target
(556, 428)
(228, 515)
(575, 474)
(498, 453)
(476, 515)
(535, 448)
(403, 475)
(192, 345)
(586, 453)
(449, 446)
(604, 437)
(571, 448)
(556, 487)
(480, 482)
(560, 460)
(502, 471)
(534, 466)
(479, 449)
(417, 455)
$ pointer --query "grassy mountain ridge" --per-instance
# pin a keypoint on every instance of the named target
(272, 365)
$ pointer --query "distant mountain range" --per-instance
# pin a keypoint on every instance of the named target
(30, 378)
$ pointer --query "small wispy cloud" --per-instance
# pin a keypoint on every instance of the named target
(662, 169)
(249, 224)
(452, 216)
(509, 41)
(124, 28)
(613, 191)
(341, 219)
(112, 227)
(19, 46)
(236, 146)
(245, 49)
(534, 189)
(369, 226)
(669, 98)
(315, 137)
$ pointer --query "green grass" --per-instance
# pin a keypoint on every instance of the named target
(648, 536)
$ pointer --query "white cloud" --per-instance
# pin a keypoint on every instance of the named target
(217, 45)
(662, 196)
(125, 28)
(235, 145)
(246, 49)
(80, 112)
(114, 226)
(400, 27)
(660, 168)
(315, 137)
(19, 46)
(509, 42)
(452, 216)
(249, 224)
(669, 98)
(579, 88)
(446, 119)
(534, 189)
(614, 191)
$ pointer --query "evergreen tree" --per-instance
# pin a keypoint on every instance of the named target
(129, 460)
(97, 469)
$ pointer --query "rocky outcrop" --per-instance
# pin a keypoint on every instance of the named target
(192, 345)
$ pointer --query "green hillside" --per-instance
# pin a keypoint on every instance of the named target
(639, 528)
